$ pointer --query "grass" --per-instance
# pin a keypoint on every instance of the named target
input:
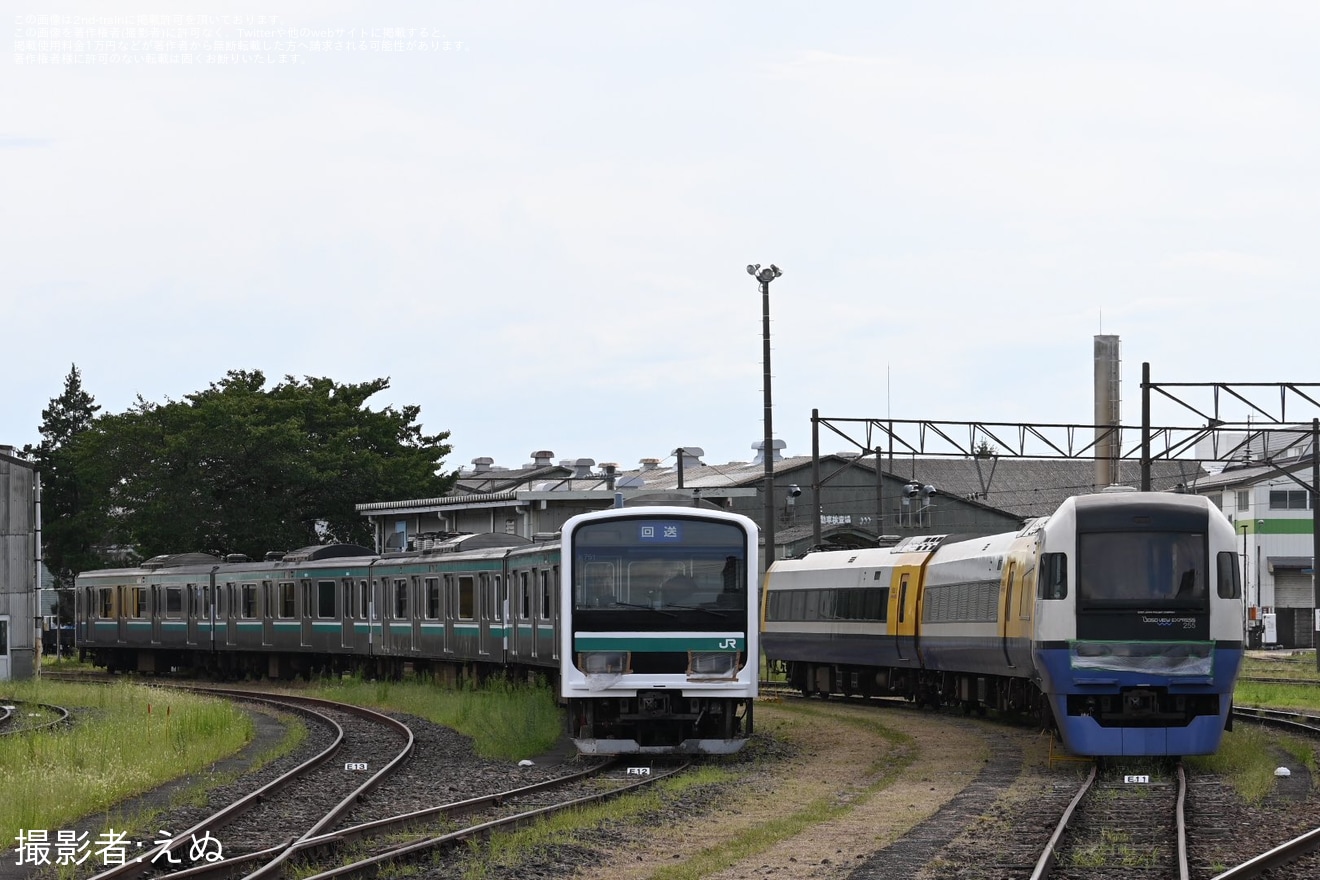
(126, 739)
(1282, 665)
(505, 720)
(1245, 758)
(1114, 848)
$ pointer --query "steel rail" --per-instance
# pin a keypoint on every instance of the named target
(144, 863)
(1184, 870)
(1048, 858)
(1276, 858)
(13, 725)
(372, 865)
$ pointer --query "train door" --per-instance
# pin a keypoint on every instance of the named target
(415, 613)
(227, 614)
(905, 618)
(119, 603)
(485, 624)
(268, 606)
(83, 610)
(523, 626)
(442, 610)
(4, 647)
(157, 612)
(1007, 612)
(192, 607)
(547, 646)
(306, 613)
(346, 619)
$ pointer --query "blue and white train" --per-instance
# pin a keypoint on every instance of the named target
(1118, 619)
(669, 666)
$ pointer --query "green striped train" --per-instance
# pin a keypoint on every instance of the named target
(645, 617)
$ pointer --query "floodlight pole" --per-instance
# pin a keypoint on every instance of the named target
(764, 277)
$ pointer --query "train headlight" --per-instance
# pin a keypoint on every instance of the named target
(603, 662)
(712, 664)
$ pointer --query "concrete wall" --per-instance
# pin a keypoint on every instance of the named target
(18, 550)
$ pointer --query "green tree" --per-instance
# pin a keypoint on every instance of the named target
(72, 523)
(239, 468)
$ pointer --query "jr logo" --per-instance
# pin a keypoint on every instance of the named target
(729, 643)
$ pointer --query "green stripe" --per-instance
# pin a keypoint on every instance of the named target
(641, 644)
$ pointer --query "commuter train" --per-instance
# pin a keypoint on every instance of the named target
(668, 665)
(1118, 619)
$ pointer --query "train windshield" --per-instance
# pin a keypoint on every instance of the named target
(659, 564)
(1146, 568)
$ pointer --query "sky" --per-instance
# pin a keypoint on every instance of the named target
(535, 218)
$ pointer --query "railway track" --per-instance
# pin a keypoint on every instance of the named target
(300, 804)
(18, 716)
(1121, 824)
(481, 817)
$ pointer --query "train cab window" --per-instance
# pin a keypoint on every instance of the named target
(1150, 567)
(431, 587)
(249, 607)
(325, 600)
(1230, 579)
(1052, 581)
(400, 599)
(287, 599)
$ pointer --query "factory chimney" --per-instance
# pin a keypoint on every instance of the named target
(1108, 410)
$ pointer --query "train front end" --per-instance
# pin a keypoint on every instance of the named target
(658, 647)
(1139, 631)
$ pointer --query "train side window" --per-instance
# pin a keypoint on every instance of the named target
(1230, 579)
(902, 599)
(400, 599)
(1053, 582)
(432, 589)
(287, 599)
(797, 605)
(173, 601)
(545, 594)
(525, 604)
(496, 605)
(347, 586)
(877, 604)
(364, 597)
(467, 589)
(325, 600)
(249, 600)
(267, 599)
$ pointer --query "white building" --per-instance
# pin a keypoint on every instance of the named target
(1271, 507)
